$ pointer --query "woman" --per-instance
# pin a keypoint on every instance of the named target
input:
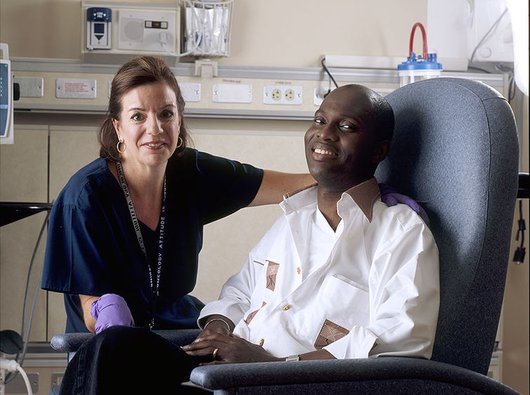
(145, 199)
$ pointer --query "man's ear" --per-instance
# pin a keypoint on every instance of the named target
(380, 151)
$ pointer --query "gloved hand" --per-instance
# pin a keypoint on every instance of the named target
(111, 310)
(391, 197)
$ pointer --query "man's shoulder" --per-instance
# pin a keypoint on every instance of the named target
(397, 216)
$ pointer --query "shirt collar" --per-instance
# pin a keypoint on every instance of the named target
(364, 195)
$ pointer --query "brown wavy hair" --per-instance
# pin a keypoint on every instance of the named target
(136, 72)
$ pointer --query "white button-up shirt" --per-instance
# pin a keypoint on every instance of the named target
(376, 293)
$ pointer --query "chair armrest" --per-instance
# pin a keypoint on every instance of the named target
(379, 375)
(70, 342)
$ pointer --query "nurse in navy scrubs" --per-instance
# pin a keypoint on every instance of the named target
(125, 232)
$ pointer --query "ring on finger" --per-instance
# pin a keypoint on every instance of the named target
(214, 353)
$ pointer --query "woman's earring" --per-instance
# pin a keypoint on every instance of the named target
(122, 150)
(180, 142)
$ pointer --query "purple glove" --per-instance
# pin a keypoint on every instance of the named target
(111, 310)
(391, 197)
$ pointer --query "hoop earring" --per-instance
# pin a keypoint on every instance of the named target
(118, 147)
(180, 142)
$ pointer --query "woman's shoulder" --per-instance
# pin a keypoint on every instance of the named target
(192, 162)
(86, 181)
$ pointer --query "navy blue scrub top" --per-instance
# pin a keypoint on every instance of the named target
(92, 248)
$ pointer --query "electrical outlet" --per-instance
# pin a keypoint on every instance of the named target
(282, 94)
(320, 93)
(276, 94)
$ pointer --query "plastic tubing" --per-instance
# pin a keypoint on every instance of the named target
(423, 36)
(26, 379)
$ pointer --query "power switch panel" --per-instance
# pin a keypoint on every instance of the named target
(232, 93)
(282, 94)
(30, 86)
(191, 91)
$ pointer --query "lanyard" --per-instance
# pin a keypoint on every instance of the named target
(136, 223)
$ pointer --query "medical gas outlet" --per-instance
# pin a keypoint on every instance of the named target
(98, 29)
(282, 94)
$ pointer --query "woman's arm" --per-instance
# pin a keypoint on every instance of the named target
(276, 184)
(100, 313)
(86, 304)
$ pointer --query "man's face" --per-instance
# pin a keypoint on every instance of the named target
(341, 145)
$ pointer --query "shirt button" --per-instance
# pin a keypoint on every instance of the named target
(298, 270)
(261, 342)
(286, 307)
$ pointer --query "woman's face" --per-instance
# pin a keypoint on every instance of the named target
(149, 125)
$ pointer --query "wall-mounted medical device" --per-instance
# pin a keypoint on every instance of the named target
(6, 97)
(206, 27)
(98, 28)
(129, 29)
(151, 31)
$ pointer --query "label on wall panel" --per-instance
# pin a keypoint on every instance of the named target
(75, 88)
(232, 93)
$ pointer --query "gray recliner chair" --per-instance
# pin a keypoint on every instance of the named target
(455, 150)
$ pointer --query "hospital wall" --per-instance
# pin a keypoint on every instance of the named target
(49, 148)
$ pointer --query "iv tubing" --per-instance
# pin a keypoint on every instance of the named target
(423, 36)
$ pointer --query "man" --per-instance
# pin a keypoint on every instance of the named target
(340, 274)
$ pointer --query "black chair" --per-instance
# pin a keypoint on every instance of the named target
(455, 150)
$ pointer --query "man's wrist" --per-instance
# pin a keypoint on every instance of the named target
(292, 358)
(218, 319)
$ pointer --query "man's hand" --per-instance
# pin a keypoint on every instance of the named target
(228, 348)
(111, 310)
(391, 197)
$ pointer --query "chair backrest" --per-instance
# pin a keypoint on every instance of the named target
(455, 150)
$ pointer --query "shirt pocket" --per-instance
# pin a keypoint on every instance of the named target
(266, 284)
(344, 302)
(271, 275)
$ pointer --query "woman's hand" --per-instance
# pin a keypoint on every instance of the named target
(391, 197)
(110, 310)
(228, 348)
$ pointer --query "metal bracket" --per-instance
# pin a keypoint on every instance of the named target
(206, 68)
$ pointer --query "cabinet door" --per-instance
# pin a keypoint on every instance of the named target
(23, 178)
(70, 149)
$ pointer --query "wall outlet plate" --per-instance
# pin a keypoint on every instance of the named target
(282, 94)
